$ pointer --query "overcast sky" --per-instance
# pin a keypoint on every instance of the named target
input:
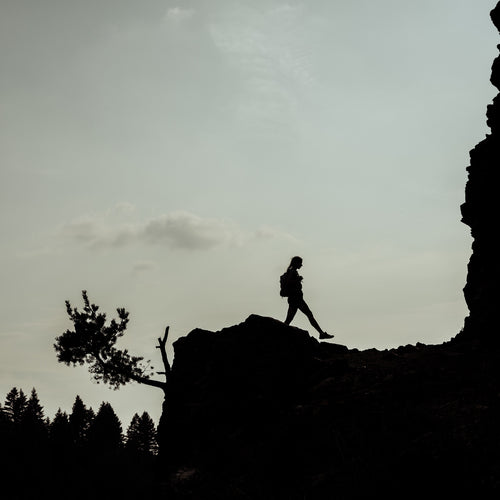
(170, 157)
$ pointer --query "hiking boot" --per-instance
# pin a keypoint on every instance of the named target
(325, 335)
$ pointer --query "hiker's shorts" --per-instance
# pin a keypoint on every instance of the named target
(299, 303)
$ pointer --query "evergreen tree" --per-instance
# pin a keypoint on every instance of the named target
(13, 440)
(92, 342)
(80, 420)
(66, 466)
(60, 432)
(33, 426)
(33, 411)
(105, 431)
(133, 434)
(141, 435)
(25, 445)
(15, 405)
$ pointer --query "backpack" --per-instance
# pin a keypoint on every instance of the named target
(285, 284)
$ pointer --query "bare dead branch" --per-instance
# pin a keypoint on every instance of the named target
(161, 345)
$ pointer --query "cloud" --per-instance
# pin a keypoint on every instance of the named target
(269, 233)
(271, 43)
(123, 207)
(186, 230)
(83, 229)
(272, 48)
(178, 14)
(175, 230)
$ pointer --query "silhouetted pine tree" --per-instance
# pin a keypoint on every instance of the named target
(66, 464)
(34, 410)
(15, 404)
(25, 444)
(132, 441)
(33, 424)
(12, 446)
(104, 451)
(33, 441)
(93, 342)
(80, 420)
(60, 435)
(105, 431)
(141, 435)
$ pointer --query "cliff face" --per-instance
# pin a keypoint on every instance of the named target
(262, 410)
(481, 212)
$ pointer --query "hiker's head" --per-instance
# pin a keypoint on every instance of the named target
(296, 262)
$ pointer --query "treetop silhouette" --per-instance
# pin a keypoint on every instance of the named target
(92, 342)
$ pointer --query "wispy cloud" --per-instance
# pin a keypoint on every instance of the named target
(271, 43)
(175, 230)
(270, 47)
(189, 231)
(269, 233)
(84, 229)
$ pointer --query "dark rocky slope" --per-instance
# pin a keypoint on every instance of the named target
(262, 410)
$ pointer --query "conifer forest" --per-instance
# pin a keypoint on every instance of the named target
(85, 453)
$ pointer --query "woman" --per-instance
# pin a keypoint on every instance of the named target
(296, 300)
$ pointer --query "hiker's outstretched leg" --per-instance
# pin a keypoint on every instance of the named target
(313, 322)
(292, 309)
(305, 309)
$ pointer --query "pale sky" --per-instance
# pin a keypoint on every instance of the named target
(170, 157)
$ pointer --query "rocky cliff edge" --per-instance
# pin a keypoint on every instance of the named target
(263, 410)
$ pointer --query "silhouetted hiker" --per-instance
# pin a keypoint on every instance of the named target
(291, 287)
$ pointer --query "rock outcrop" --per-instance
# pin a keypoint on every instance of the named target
(481, 211)
(262, 410)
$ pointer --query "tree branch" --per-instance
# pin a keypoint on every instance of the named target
(164, 358)
(92, 342)
(148, 381)
(137, 378)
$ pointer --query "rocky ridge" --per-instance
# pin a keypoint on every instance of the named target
(262, 410)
